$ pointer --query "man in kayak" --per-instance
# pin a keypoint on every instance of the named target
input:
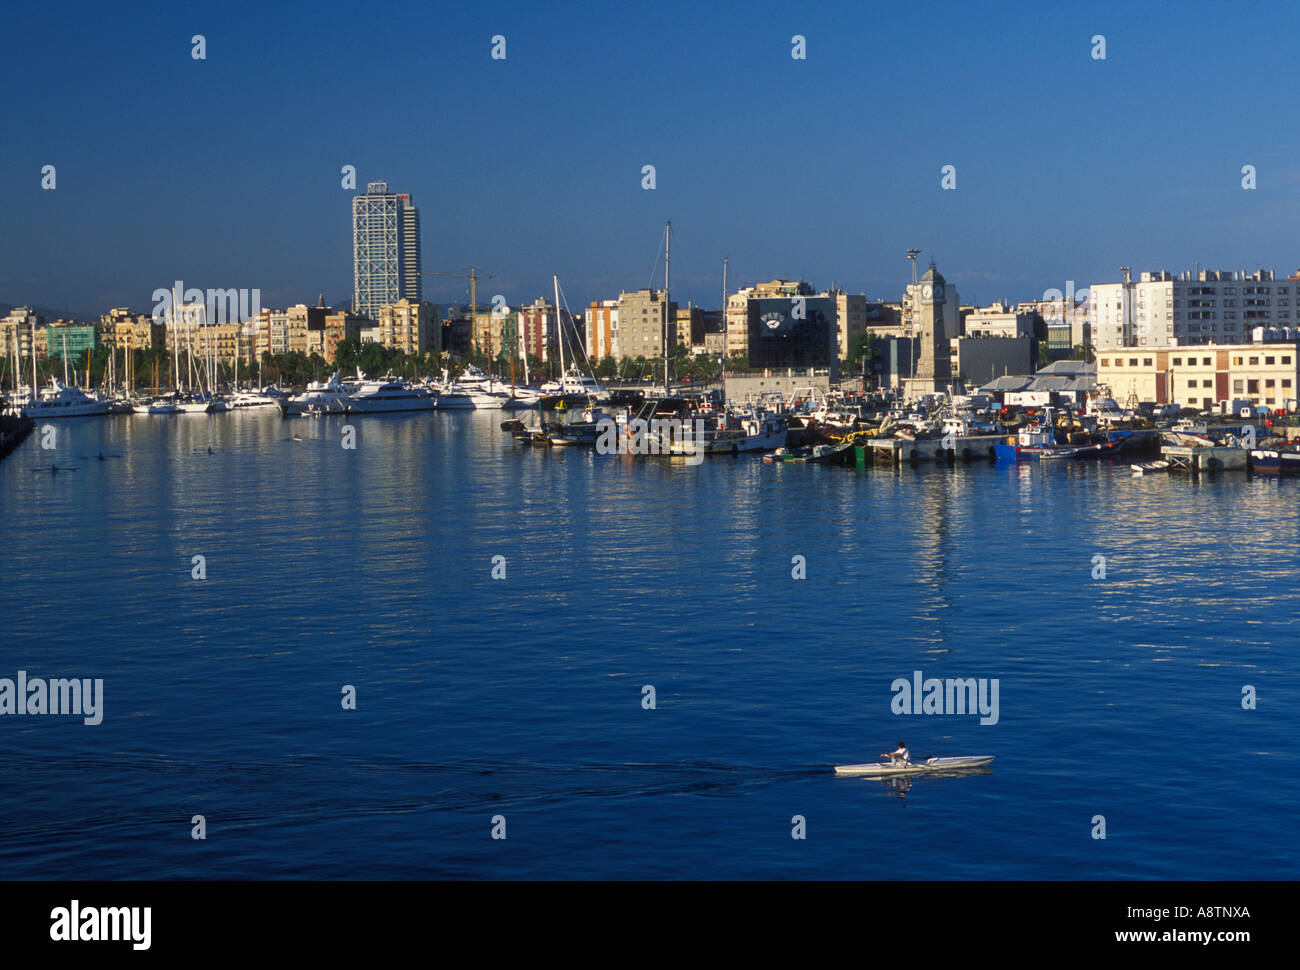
(899, 757)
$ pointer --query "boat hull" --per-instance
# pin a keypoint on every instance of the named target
(1268, 462)
(930, 766)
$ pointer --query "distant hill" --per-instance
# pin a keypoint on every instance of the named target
(50, 314)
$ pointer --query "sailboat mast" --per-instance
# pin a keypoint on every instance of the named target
(559, 328)
(668, 321)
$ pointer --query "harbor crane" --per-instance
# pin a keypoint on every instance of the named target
(473, 276)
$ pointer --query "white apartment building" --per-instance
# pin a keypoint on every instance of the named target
(1160, 310)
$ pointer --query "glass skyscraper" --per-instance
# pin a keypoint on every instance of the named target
(385, 249)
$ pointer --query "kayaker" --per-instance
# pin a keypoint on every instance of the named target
(901, 756)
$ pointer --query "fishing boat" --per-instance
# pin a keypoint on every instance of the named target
(930, 766)
(1275, 461)
(815, 455)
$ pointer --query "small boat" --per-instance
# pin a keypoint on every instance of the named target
(930, 766)
(1275, 461)
(1142, 467)
(816, 455)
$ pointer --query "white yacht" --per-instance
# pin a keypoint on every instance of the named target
(251, 400)
(574, 384)
(321, 397)
(61, 401)
(159, 405)
(391, 394)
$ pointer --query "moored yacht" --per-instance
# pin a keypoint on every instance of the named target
(242, 401)
(62, 401)
(321, 397)
(391, 394)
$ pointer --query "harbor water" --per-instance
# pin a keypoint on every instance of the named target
(632, 668)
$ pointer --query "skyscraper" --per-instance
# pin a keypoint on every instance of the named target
(385, 249)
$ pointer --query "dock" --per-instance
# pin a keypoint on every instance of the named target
(1204, 459)
(898, 451)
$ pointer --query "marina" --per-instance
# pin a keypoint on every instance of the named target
(317, 555)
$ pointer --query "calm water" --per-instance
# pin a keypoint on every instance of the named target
(522, 696)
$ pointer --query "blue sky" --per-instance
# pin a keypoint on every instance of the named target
(226, 172)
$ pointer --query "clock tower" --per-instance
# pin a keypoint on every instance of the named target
(929, 299)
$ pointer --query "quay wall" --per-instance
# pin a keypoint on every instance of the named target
(740, 388)
(13, 431)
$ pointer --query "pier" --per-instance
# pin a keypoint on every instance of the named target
(1196, 459)
(900, 451)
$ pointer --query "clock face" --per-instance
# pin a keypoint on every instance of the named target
(773, 320)
(927, 291)
(938, 291)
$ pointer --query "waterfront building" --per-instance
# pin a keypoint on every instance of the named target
(850, 318)
(715, 335)
(784, 324)
(1000, 320)
(977, 359)
(1205, 376)
(642, 317)
(689, 327)
(885, 319)
(385, 249)
(736, 323)
(341, 325)
(538, 331)
(893, 359)
(1066, 323)
(412, 328)
(122, 329)
(226, 342)
(26, 326)
(601, 326)
(1199, 307)
(65, 338)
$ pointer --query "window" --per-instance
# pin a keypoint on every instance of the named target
(1132, 361)
(1191, 383)
(1178, 362)
(1286, 383)
(1238, 387)
(1207, 361)
(1268, 361)
(1254, 362)
(1237, 361)
(1146, 361)
(1286, 360)
(1104, 362)
(1252, 387)
(1207, 383)
(1269, 382)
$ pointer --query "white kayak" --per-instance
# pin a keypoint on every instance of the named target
(927, 767)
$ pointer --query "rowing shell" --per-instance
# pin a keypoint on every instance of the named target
(929, 766)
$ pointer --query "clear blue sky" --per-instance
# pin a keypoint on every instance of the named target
(225, 172)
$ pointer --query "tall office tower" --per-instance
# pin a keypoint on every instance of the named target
(385, 249)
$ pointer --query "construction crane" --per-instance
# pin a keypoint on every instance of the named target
(473, 278)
